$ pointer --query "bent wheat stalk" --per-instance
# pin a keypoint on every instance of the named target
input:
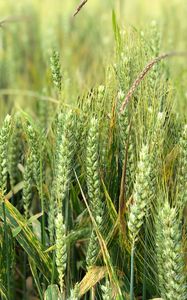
(143, 74)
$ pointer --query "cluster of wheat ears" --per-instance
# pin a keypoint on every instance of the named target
(93, 195)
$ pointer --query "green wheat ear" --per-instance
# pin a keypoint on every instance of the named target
(56, 70)
(27, 187)
(74, 293)
(182, 176)
(170, 256)
(93, 249)
(106, 290)
(92, 171)
(34, 145)
(61, 249)
(15, 150)
(64, 154)
(4, 141)
(142, 195)
(94, 188)
(126, 145)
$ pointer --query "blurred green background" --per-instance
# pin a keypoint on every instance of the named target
(86, 43)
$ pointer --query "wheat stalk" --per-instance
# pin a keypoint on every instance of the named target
(141, 76)
(80, 7)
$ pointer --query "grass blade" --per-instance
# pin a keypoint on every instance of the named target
(27, 239)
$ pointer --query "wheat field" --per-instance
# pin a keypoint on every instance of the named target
(93, 150)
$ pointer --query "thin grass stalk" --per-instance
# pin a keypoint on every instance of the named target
(26, 198)
(132, 272)
(92, 293)
(53, 269)
(6, 246)
(42, 203)
(144, 294)
(24, 274)
(80, 7)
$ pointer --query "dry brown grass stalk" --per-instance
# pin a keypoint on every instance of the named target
(80, 7)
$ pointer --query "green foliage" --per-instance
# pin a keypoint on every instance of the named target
(52, 293)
